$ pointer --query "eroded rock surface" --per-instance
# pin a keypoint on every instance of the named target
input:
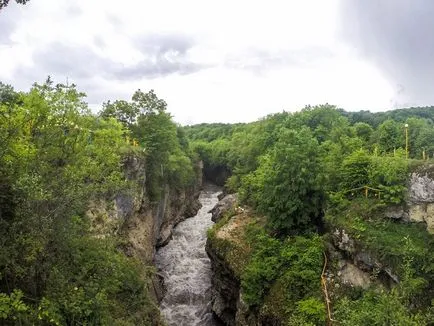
(223, 206)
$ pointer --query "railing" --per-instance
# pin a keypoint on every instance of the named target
(366, 191)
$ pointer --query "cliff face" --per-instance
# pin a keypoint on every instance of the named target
(419, 204)
(229, 254)
(365, 246)
(144, 225)
(421, 196)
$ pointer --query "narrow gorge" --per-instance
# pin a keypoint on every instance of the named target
(186, 268)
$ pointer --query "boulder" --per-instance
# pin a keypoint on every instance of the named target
(226, 204)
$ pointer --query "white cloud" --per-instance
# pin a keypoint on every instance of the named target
(217, 61)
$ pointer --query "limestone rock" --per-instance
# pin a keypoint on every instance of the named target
(420, 198)
(350, 274)
(223, 206)
(343, 241)
(421, 186)
(417, 213)
(429, 219)
(353, 253)
(396, 212)
(165, 236)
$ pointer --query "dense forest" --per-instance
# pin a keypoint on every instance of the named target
(56, 157)
(312, 172)
(300, 172)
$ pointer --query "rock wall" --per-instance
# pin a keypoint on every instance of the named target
(229, 253)
(351, 264)
(419, 203)
(421, 196)
(354, 264)
(225, 287)
(144, 225)
(358, 266)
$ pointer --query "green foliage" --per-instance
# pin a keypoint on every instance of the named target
(385, 175)
(121, 110)
(377, 309)
(55, 157)
(390, 136)
(168, 157)
(262, 270)
(309, 311)
(363, 130)
(355, 170)
(287, 186)
(92, 283)
(363, 219)
(12, 306)
(390, 175)
(180, 169)
(288, 166)
(292, 268)
(400, 115)
(211, 131)
(397, 306)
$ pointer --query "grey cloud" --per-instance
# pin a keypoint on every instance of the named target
(158, 68)
(114, 20)
(163, 56)
(160, 44)
(76, 61)
(398, 37)
(98, 40)
(74, 10)
(261, 60)
(8, 23)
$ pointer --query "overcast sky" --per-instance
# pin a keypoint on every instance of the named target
(227, 61)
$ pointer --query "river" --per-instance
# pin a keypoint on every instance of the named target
(187, 270)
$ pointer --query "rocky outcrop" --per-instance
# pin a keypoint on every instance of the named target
(144, 224)
(353, 255)
(421, 196)
(421, 185)
(229, 253)
(419, 203)
(174, 208)
(223, 206)
(225, 287)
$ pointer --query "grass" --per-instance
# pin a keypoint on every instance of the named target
(363, 219)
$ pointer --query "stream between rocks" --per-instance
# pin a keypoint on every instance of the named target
(187, 269)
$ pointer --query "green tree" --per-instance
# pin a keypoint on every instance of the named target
(363, 131)
(55, 157)
(390, 136)
(287, 186)
(121, 110)
(355, 170)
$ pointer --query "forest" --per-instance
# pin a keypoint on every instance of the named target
(312, 172)
(56, 156)
(302, 171)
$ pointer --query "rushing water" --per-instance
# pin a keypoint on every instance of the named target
(187, 270)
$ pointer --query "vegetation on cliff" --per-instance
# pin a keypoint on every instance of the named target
(55, 158)
(316, 171)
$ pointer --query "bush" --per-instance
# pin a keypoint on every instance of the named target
(295, 264)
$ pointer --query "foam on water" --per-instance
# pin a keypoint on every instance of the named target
(187, 270)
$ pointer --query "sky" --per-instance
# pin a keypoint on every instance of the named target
(226, 61)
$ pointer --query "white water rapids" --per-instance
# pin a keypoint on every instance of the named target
(187, 270)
